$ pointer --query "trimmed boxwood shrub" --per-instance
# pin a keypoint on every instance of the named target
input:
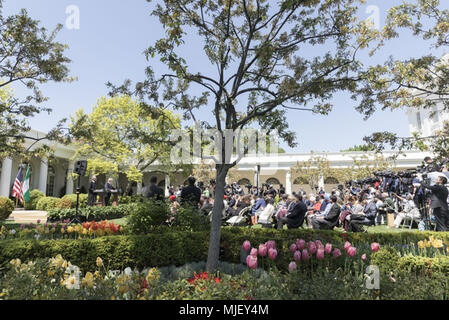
(47, 203)
(35, 196)
(93, 213)
(166, 246)
(69, 201)
(6, 208)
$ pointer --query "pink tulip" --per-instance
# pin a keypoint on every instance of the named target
(364, 257)
(336, 253)
(305, 255)
(300, 244)
(347, 245)
(352, 252)
(251, 262)
(271, 245)
(246, 245)
(375, 246)
(297, 255)
(292, 266)
(328, 248)
(253, 252)
(293, 248)
(319, 244)
(312, 248)
(272, 253)
(320, 254)
(263, 250)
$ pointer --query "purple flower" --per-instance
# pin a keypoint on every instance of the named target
(336, 253)
(39, 221)
(297, 255)
(352, 251)
(53, 225)
(253, 252)
(293, 248)
(328, 248)
(263, 250)
(311, 246)
(251, 262)
(320, 254)
(292, 266)
(31, 225)
(305, 255)
(300, 244)
(271, 245)
(246, 246)
(22, 226)
(272, 253)
(319, 244)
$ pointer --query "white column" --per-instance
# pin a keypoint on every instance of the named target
(69, 186)
(321, 182)
(5, 179)
(288, 182)
(167, 185)
(43, 173)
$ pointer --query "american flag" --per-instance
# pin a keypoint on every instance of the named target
(17, 189)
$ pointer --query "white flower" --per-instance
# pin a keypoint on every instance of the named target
(13, 231)
(128, 271)
(37, 236)
(73, 279)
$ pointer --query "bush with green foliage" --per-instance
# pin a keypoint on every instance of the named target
(147, 216)
(35, 196)
(93, 213)
(47, 203)
(69, 201)
(6, 208)
(189, 218)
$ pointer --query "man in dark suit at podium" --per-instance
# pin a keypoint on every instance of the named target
(108, 188)
(92, 197)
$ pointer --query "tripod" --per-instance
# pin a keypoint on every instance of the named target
(77, 219)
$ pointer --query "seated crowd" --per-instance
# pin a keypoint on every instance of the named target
(348, 208)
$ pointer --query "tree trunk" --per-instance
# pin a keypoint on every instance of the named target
(215, 229)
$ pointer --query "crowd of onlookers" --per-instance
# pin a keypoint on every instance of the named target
(350, 207)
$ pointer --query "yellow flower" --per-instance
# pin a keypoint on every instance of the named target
(88, 280)
(62, 230)
(97, 274)
(16, 262)
(437, 243)
(69, 229)
(153, 275)
(51, 273)
(421, 244)
(57, 261)
(99, 262)
(85, 231)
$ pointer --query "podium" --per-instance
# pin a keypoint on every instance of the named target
(101, 195)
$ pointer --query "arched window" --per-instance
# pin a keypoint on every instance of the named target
(273, 181)
(243, 182)
(51, 181)
(331, 180)
(300, 181)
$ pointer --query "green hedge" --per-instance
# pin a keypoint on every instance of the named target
(6, 208)
(71, 200)
(35, 196)
(92, 213)
(47, 203)
(166, 246)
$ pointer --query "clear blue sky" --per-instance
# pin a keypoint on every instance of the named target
(114, 33)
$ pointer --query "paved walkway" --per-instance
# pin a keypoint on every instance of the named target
(23, 216)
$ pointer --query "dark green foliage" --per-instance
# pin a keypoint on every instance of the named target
(6, 208)
(93, 213)
(35, 196)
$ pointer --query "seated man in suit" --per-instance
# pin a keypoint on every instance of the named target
(108, 188)
(367, 218)
(330, 219)
(296, 214)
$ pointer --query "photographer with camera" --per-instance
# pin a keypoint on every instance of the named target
(438, 202)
